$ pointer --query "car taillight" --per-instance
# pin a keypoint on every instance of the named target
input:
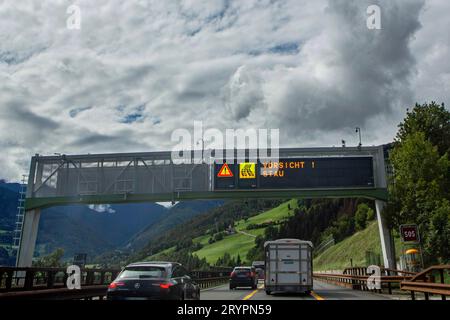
(114, 285)
(165, 285)
(252, 274)
(233, 274)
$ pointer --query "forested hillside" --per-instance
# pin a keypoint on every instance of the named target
(235, 233)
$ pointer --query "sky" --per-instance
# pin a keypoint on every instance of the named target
(137, 70)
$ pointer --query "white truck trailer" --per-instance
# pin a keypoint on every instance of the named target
(288, 266)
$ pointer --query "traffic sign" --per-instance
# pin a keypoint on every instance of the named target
(247, 170)
(296, 173)
(225, 172)
(409, 233)
(318, 172)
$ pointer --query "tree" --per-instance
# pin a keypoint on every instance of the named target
(438, 240)
(419, 190)
(370, 214)
(238, 260)
(4, 256)
(361, 216)
(420, 178)
(51, 260)
(431, 119)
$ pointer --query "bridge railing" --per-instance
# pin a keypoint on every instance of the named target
(424, 282)
(24, 279)
(50, 283)
(356, 278)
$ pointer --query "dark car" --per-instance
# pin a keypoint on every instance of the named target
(153, 280)
(243, 277)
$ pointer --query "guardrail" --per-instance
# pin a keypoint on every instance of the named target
(50, 283)
(424, 282)
(26, 279)
(359, 282)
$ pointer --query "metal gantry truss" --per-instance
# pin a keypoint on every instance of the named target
(96, 175)
(18, 227)
(156, 176)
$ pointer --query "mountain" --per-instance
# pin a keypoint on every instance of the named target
(98, 229)
(9, 194)
(235, 232)
(194, 234)
(179, 214)
(83, 229)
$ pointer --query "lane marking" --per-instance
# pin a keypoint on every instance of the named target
(250, 295)
(247, 297)
(316, 296)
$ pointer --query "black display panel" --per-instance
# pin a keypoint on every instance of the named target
(300, 173)
(224, 181)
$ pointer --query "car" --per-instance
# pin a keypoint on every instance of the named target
(260, 273)
(156, 280)
(243, 277)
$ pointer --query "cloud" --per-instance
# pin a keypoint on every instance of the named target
(102, 208)
(139, 69)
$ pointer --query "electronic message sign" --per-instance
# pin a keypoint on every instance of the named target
(298, 173)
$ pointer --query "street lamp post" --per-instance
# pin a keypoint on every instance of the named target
(358, 130)
(203, 147)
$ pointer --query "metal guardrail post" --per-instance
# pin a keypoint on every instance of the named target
(89, 277)
(441, 273)
(8, 282)
(50, 279)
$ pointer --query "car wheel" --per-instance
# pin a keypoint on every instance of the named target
(254, 287)
(268, 292)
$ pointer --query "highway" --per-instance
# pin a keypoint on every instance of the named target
(321, 291)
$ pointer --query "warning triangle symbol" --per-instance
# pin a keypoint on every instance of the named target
(225, 172)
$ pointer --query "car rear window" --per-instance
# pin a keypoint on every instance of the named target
(242, 270)
(143, 272)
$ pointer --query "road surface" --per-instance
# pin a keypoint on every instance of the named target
(321, 291)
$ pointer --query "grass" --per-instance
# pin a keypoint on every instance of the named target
(240, 244)
(279, 213)
(235, 244)
(160, 254)
(354, 247)
(202, 239)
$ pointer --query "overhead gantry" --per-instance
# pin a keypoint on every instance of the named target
(155, 176)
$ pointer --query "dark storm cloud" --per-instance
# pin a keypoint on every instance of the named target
(16, 112)
(122, 141)
(371, 70)
(310, 68)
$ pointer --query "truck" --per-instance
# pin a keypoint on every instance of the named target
(288, 266)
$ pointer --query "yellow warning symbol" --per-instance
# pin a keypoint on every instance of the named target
(247, 170)
(225, 172)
